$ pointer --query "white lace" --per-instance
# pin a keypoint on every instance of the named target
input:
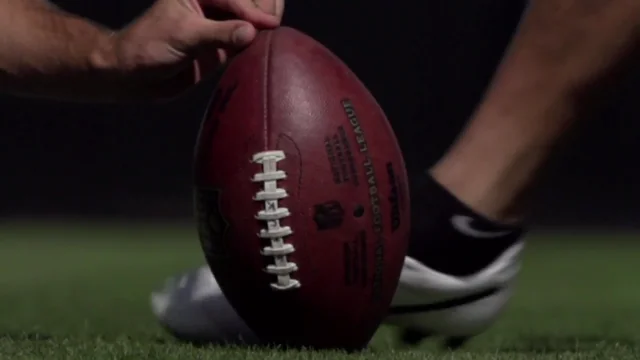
(272, 214)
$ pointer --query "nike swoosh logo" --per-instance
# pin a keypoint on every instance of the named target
(463, 225)
(442, 305)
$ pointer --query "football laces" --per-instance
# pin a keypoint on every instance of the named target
(272, 215)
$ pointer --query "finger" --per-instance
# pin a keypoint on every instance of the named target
(205, 35)
(273, 7)
(279, 9)
(261, 13)
(216, 41)
(204, 66)
(209, 63)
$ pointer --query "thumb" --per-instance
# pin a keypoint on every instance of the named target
(208, 35)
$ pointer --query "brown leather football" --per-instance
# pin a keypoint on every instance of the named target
(301, 195)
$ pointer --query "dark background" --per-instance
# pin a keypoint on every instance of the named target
(427, 62)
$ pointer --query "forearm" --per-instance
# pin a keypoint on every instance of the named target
(47, 52)
(552, 72)
(562, 53)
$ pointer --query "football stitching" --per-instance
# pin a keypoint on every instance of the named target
(271, 215)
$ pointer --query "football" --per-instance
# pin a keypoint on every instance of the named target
(301, 195)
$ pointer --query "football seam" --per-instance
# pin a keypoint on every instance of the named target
(270, 194)
(266, 79)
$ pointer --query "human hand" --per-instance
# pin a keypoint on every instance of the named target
(178, 42)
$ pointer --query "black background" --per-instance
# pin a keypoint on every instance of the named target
(427, 62)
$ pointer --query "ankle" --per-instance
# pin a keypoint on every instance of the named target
(493, 189)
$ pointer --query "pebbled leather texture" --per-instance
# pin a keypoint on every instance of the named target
(347, 194)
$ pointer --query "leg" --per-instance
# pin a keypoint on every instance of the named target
(563, 54)
(561, 49)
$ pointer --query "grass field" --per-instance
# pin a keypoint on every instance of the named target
(80, 291)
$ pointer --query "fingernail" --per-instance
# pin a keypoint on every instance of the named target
(243, 34)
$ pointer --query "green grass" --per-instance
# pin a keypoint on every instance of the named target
(80, 291)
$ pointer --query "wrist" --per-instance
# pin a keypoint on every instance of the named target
(112, 69)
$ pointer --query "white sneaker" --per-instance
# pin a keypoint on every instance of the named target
(193, 308)
(432, 303)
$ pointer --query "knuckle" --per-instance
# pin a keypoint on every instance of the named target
(182, 30)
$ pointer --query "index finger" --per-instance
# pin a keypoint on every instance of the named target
(256, 12)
